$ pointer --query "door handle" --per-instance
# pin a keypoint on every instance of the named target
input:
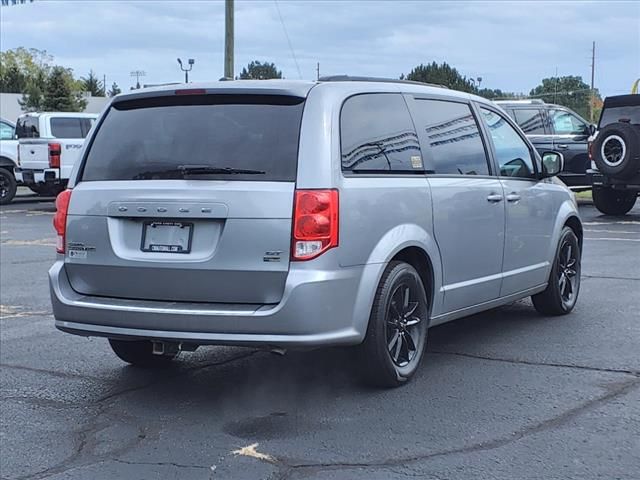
(494, 198)
(562, 146)
(513, 197)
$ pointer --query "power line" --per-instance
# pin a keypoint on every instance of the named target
(293, 54)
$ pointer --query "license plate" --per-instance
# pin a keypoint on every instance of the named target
(166, 237)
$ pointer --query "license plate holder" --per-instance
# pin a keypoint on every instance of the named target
(162, 236)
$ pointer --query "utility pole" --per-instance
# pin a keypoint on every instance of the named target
(228, 39)
(318, 71)
(138, 74)
(593, 71)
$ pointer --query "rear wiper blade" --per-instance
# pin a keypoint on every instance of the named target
(185, 170)
(206, 169)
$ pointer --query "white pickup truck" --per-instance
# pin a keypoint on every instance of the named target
(8, 160)
(48, 146)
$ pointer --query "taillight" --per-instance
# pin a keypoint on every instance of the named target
(590, 150)
(54, 155)
(315, 223)
(60, 218)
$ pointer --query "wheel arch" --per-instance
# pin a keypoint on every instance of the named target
(420, 260)
(417, 248)
(6, 162)
(574, 223)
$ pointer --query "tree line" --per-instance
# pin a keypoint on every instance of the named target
(45, 86)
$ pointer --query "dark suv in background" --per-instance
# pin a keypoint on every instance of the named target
(554, 127)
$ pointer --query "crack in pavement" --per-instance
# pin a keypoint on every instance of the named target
(288, 470)
(162, 464)
(85, 437)
(55, 373)
(608, 277)
(518, 361)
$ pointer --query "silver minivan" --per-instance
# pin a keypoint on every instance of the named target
(281, 214)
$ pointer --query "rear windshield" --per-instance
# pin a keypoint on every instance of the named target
(157, 138)
(615, 114)
(27, 127)
(70, 127)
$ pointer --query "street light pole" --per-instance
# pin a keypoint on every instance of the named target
(186, 71)
(228, 39)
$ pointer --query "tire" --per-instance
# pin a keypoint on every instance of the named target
(139, 353)
(386, 355)
(616, 150)
(613, 202)
(8, 186)
(563, 288)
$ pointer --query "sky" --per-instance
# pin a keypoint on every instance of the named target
(511, 45)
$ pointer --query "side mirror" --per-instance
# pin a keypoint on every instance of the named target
(552, 164)
(592, 129)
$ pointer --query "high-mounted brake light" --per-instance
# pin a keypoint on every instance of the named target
(55, 149)
(60, 218)
(191, 91)
(315, 223)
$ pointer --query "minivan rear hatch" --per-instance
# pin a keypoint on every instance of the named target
(187, 198)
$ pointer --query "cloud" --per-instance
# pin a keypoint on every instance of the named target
(512, 45)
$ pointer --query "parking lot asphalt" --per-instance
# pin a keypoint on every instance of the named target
(507, 394)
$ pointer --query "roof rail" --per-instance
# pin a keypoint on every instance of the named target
(348, 78)
(530, 101)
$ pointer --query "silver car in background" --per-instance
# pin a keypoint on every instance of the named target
(283, 214)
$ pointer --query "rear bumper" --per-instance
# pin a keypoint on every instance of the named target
(317, 308)
(600, 180)
(31, 177)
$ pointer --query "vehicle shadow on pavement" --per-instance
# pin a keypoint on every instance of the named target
(233, 375)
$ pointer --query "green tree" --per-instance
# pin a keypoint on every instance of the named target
(570, 91)
(61, 93)
(443, 74)
(115, 90)
(22, 67)
(92, 84)
(260, 71)
(497, 94)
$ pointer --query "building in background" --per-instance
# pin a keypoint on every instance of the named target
(11, 109)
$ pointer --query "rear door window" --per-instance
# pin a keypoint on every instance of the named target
(157, 138)
(566, 123)
(64, 127)
(530, 120)
(378, 136)
(27, 127)
(514, 157)
(452, 134)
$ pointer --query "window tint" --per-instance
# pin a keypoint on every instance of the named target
(6, 131)
(512, 152)
(614, 114)
(377, 134)
(451, 131)
(565, 123)
(27, 127)
(531, 121)
(151, 138)
(67, 128)
(86, 124)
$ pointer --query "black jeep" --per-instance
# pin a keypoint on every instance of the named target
(615, 155)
